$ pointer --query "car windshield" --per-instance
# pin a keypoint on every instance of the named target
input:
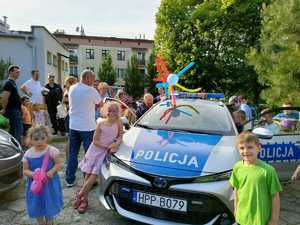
(192, 115)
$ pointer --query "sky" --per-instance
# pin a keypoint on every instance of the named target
(116, 18)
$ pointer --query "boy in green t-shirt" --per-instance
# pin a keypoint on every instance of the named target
(256, 185)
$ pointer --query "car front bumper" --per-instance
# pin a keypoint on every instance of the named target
(208, 203)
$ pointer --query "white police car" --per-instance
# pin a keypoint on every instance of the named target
(175, 170)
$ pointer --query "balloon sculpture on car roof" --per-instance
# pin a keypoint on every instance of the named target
(168, 81)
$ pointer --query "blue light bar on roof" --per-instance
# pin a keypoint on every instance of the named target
(200, 95)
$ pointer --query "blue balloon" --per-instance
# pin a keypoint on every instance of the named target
(172, 79)
(161, 85)
(186, 68)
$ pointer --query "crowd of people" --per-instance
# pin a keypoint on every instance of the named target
(80, 111)
(49, 105)
(282, 123)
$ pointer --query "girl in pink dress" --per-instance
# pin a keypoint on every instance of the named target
(106, 140)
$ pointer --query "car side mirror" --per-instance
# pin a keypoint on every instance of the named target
(125, 123)
(263, 133)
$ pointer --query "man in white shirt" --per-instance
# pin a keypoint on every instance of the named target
(34, 90)
(245, 107)
(82, 100)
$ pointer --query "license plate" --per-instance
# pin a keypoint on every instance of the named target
(160, 201)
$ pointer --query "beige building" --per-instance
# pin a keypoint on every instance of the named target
(89, 52)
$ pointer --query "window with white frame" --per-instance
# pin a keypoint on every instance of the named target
(55, 60)
(66, 67)
(105, 53)
(73, 70)
(91, 68)
(49, 58)
(121, 55)
(141, 58)
(120, 73)
(90, 53)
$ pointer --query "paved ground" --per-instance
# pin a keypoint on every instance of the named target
(12, 208)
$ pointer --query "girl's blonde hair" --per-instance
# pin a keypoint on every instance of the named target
(69, 80)
(107, 105)
(103, 85)
(37, 129)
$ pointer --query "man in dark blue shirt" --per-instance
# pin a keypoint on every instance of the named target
(147, 104)
(11, 103)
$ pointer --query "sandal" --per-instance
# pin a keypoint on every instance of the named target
(78, 200)
(83, 206)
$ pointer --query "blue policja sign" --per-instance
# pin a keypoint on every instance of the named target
(172, 154)
(279, 152)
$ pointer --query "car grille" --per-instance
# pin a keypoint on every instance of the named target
(6, 151)
(201, 209)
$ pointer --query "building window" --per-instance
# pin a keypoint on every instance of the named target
(55, 60)
(90, 53)
(73, 70)
(49, 58)
(91, 68)
(121, 55)
(105, 53)
(66, 66)
(120, 73)
(141, 58)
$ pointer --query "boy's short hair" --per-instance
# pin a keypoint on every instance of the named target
(247, 137)
(34, 71)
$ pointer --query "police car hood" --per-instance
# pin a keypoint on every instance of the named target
(177, 154)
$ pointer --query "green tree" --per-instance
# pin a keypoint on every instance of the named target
(3, 71)
(107, 72)
(3, 68)
(151, 73)
(277, 61)
(216, 35)
(133, 79)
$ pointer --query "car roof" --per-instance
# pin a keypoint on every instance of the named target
(196, 101)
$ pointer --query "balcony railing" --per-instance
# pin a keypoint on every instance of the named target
(141, 62)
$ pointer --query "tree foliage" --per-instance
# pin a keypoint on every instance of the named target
(133, 79)
(3, 71)
(3, 68)
(151, 73)
(277, 61)
(217, 35)
(107, 72)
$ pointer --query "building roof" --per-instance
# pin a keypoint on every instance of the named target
(42, 27)
(58, 35)
(29, 34)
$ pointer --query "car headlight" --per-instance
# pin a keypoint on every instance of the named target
(115, 160)
(214, 177)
